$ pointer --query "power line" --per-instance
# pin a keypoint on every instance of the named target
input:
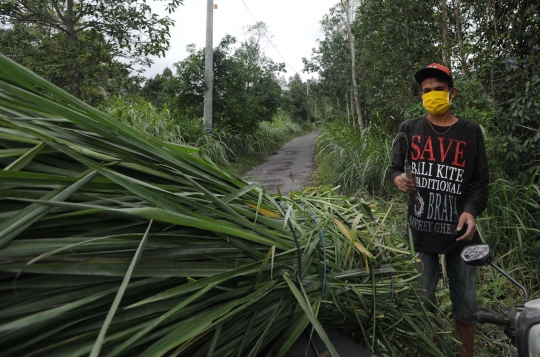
(269, 40)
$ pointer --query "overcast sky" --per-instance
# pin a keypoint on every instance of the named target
(294, 23)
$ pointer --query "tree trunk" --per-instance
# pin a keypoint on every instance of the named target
(347, 7)
(493, 53)
(351, 101)
(348, 111)
(461, 44)
(445, 41)
(69, 23)
(410, 61)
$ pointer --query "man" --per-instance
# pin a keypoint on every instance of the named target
(450, 186)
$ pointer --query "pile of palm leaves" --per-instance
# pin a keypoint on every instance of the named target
(114, 243)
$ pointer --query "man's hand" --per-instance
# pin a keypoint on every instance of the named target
(405, 184)
(466, 218)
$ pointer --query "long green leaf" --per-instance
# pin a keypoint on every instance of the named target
(10, 228)
(309, 313)
(99, 341)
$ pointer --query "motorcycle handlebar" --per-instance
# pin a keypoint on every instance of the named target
(492, 318)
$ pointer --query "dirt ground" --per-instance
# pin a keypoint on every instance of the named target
(290, 169)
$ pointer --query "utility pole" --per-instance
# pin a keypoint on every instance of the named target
(307, 85)
(208, 65)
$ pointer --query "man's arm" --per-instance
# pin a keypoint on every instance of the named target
(477, 198)
(476, 201)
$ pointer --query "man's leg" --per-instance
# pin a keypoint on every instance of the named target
(429, 267)
(466, 336)
(463, 294)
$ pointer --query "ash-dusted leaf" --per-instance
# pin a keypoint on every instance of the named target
(347, 233)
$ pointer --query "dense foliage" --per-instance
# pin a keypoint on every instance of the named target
(492, 48)
(86, 47)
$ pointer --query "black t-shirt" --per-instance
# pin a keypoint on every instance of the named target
(451, 170)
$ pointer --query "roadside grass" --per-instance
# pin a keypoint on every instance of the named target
(357, 162)
(237, 152)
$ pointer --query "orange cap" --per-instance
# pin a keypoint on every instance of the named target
(432, 70)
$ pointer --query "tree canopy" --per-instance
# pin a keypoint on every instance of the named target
(82, 45)
(492, 48)
(246, 83)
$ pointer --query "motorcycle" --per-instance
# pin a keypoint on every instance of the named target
(522, 322)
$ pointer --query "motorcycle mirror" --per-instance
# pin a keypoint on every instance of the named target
(477, 255)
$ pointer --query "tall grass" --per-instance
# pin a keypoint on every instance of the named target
(268, 137)
(511, 225)
(356, 161)
(144, 116)
(224, 146)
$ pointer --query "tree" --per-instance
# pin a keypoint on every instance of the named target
(295, 99)
(445, 39)
(393, 39)
(246, 87)
(154, 88)
(43, 51)
(397, 39)
(331, 60)
(456, 4)
(504, 56)
(127, 29)
(350, 37)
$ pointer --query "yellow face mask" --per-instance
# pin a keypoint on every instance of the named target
(436, 102)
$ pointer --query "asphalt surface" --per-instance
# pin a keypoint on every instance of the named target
(290, 169)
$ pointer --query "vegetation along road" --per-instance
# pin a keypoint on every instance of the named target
(290, 168)
(125, 230)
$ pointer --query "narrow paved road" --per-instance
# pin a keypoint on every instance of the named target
(290, 169)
